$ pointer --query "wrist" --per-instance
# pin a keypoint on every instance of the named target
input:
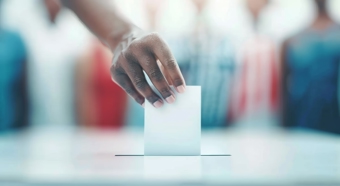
(119, 35)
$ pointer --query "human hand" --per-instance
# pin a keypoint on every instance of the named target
(138, 52)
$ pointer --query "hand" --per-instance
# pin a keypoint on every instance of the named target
(138, 52)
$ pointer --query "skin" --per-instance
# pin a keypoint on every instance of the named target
(134, 51)
(322, 21)
(255, 7)
(152, 7)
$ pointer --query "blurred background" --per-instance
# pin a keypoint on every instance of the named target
(261, 63)
(268, 68)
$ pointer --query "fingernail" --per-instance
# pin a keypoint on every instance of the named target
(143, 105)
(158, 104)
(170, 99)
(180, 89)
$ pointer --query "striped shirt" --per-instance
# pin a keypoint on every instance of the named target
(207, 61)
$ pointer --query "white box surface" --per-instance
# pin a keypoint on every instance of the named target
(174, 129)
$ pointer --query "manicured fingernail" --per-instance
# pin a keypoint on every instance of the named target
(170, 99)
(180, 89)
(143, 105)
(158, 104)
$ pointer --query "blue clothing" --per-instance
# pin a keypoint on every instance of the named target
(208, 62)
(12, 91)
(312, 63)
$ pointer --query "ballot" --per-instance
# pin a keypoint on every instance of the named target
(174, 129)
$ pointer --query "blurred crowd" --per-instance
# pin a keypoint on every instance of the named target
(53, 72)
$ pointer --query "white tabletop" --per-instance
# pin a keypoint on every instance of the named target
(87, 157)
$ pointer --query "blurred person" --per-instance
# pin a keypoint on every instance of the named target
(256, 87)
(54, 42)
(99, 102)
(206, 58)
(310, 65)
(13, 94)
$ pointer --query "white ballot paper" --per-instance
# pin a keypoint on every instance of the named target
(174, 129)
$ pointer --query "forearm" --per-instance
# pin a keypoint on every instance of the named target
(102, 18)
(134, 52)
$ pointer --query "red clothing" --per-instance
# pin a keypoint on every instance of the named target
(109, 99)
(258, 86)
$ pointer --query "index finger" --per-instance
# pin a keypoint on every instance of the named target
(163, 54)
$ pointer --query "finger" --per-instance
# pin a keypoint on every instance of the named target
(149, 64)
(165, 73)
(123, 80)
(163, 53)
(136, 75)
